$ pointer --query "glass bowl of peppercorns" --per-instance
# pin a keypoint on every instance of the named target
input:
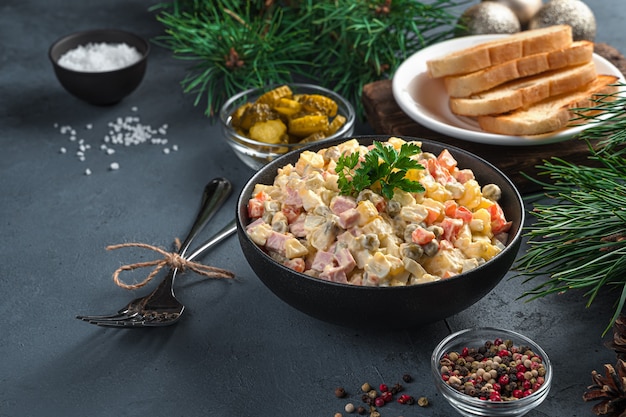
(491, 372)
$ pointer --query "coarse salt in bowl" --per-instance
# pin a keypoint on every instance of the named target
(100, 66)
(256, 154)
(470, 406)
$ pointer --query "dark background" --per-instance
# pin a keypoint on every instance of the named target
(239, 351)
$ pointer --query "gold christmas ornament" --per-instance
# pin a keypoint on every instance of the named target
(569, 12)
(523, 9)
(487, 17)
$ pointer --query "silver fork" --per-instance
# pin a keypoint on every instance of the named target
(160, 307)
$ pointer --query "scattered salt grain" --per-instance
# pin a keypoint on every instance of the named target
(122, 132)
(87, 171)
(100, 57)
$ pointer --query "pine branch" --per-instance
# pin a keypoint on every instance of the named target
(578, 240)
(233, 50)
(339, 44)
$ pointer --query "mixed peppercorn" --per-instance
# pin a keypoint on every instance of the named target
(496, 371)
(373, 399)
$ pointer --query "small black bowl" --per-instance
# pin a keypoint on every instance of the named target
(100, 88)
(387, 307)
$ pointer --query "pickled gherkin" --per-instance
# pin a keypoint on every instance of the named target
(307, 125)
(314, 103)
(273, 96)
(256, 113)
(334, 126)
(287, 107)
(271, 131)
(279, 116)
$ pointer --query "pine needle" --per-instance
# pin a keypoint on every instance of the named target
(578, 239)
(339, 44)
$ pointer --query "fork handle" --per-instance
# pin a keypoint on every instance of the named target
(214, 195)
(226, 231)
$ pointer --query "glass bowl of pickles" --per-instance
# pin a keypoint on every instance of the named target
(262, 124)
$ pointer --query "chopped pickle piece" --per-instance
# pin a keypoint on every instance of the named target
(271, 131)
(273, 96)
(257, 112)
(237, 114)
(318, 103)
(313, 137)
(307, 125)
(287, 107)
(334, 126)
(294, 117)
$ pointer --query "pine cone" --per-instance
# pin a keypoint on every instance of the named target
(618, 344)
(610, 389)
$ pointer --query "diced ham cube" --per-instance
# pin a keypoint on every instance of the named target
(349, 218)
(342, 203)
(293, 198)
(344, 259)
(296, 227)
(276, 242)
(321, 260)
(336, 274)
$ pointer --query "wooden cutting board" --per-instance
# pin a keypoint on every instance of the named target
(385, 117)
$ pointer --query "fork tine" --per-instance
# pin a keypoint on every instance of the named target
(111, 318)
(135, 320)
(117, 315)
(130, 322)
(118, 322)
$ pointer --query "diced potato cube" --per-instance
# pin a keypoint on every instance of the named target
(295, 249)
(367, 212)
(309, 160)
(472, 196)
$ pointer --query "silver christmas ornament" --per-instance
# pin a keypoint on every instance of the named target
(567, 12)
(488, 17)
(523, 9)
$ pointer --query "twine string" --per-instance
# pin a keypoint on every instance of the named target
(171, 259)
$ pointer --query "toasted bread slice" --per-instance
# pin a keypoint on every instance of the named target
(495, 52)
(550, 114)
(524, 91)
(465, 85)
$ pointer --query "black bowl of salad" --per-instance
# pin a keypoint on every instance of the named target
(356, 231)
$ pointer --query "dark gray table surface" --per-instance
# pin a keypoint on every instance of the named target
(238, 351)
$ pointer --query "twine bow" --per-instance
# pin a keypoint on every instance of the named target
(171, 259)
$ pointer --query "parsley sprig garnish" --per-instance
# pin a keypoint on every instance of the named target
(383, 166)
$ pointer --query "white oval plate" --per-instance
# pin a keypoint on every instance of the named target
(425, 100)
